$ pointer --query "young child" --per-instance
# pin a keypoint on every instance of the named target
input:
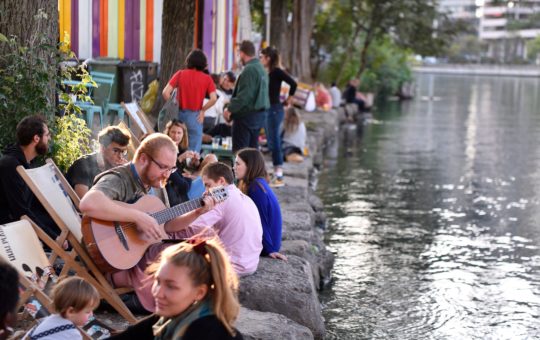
(74, 300)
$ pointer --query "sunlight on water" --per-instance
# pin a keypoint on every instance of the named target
(433, 216)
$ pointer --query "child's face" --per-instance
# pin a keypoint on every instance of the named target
(81, 317)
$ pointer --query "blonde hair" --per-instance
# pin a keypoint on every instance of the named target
(208, 264)
(76, 293)
(154, 142)
(184, 143)
(292, 120)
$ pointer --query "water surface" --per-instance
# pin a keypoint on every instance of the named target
(434, 209)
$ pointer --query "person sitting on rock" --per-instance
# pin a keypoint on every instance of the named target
(294, 136)
(251, 172)
(185, 183)
(195, 290)
(154, 161)
(236, 221)
(113, 144)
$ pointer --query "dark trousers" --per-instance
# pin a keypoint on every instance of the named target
(245, 130)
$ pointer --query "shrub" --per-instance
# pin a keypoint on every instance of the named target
(30, 74)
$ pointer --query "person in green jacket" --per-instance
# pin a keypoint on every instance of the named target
(249, 102)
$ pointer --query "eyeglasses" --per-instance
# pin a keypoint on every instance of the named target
(120, 152)
(162, 167)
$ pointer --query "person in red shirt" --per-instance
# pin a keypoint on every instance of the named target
(192, 85)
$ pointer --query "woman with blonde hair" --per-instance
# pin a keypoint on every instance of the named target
(195, 289)
(294, 136)
(183, 186)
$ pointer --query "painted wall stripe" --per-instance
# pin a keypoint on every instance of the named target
(103, 27)
(95, 27)
(149, 42)
(158, 11)
(75, 26)
(121, 28)
(142, 35)
(207, 30)
(66, 19)
(136, 30)
(85, 30)
(112, 35)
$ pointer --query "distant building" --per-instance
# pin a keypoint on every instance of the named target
(459, 9)
(506, 26)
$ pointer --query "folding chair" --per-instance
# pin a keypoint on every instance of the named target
(61, 202)
(138, 119)
(22, 249)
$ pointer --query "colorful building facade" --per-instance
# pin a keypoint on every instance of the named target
(131, 29)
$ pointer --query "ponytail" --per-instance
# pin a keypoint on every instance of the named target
(208, 264)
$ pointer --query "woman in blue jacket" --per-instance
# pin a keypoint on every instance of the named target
(251, 173)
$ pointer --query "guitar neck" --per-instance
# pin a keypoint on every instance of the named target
(168, 214)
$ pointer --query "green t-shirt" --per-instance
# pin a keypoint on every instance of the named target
(120, 184)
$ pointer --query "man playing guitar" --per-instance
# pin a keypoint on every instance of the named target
(154, 161)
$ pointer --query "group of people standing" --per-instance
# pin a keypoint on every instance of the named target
(254, 103)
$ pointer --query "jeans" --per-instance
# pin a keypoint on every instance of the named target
(245, 130)
(194, 128)
(274, 118)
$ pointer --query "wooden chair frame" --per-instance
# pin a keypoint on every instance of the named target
(105, 289)
(31, 288)
(138, 118)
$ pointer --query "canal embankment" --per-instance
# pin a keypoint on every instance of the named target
(281, 299)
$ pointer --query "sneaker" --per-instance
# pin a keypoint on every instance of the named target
(277, 182)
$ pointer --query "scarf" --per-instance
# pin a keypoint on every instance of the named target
(174, 328)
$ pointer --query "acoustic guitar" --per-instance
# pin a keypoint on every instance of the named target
(118, 246)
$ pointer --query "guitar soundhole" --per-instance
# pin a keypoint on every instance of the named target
(120, 234)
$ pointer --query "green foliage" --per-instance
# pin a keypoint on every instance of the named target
(531, 22)
(466, 48)
(387, 69)
(71, 140)
(533, 49)
(30, 72)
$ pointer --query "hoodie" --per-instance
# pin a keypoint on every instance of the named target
(16, 198)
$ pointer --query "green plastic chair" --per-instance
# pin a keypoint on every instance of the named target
(108, 79)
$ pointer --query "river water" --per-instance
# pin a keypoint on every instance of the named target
(434, 211)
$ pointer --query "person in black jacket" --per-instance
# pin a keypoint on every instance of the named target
(195, 289)
(352, 95)
(274, 116)
(16, 198)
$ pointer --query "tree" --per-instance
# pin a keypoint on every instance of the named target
(24, 19)
(355, 25)
(176, 41)
(292, 39)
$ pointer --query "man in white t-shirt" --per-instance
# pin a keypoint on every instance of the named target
(335, 93)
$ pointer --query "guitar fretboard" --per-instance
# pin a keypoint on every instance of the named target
(168, 214)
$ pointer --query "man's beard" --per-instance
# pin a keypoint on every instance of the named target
(41, 148)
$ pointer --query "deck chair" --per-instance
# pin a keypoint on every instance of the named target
(22, 249)
(61, 202)
(139, 121)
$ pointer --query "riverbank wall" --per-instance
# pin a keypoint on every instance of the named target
(481, 70)
(280, 300)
